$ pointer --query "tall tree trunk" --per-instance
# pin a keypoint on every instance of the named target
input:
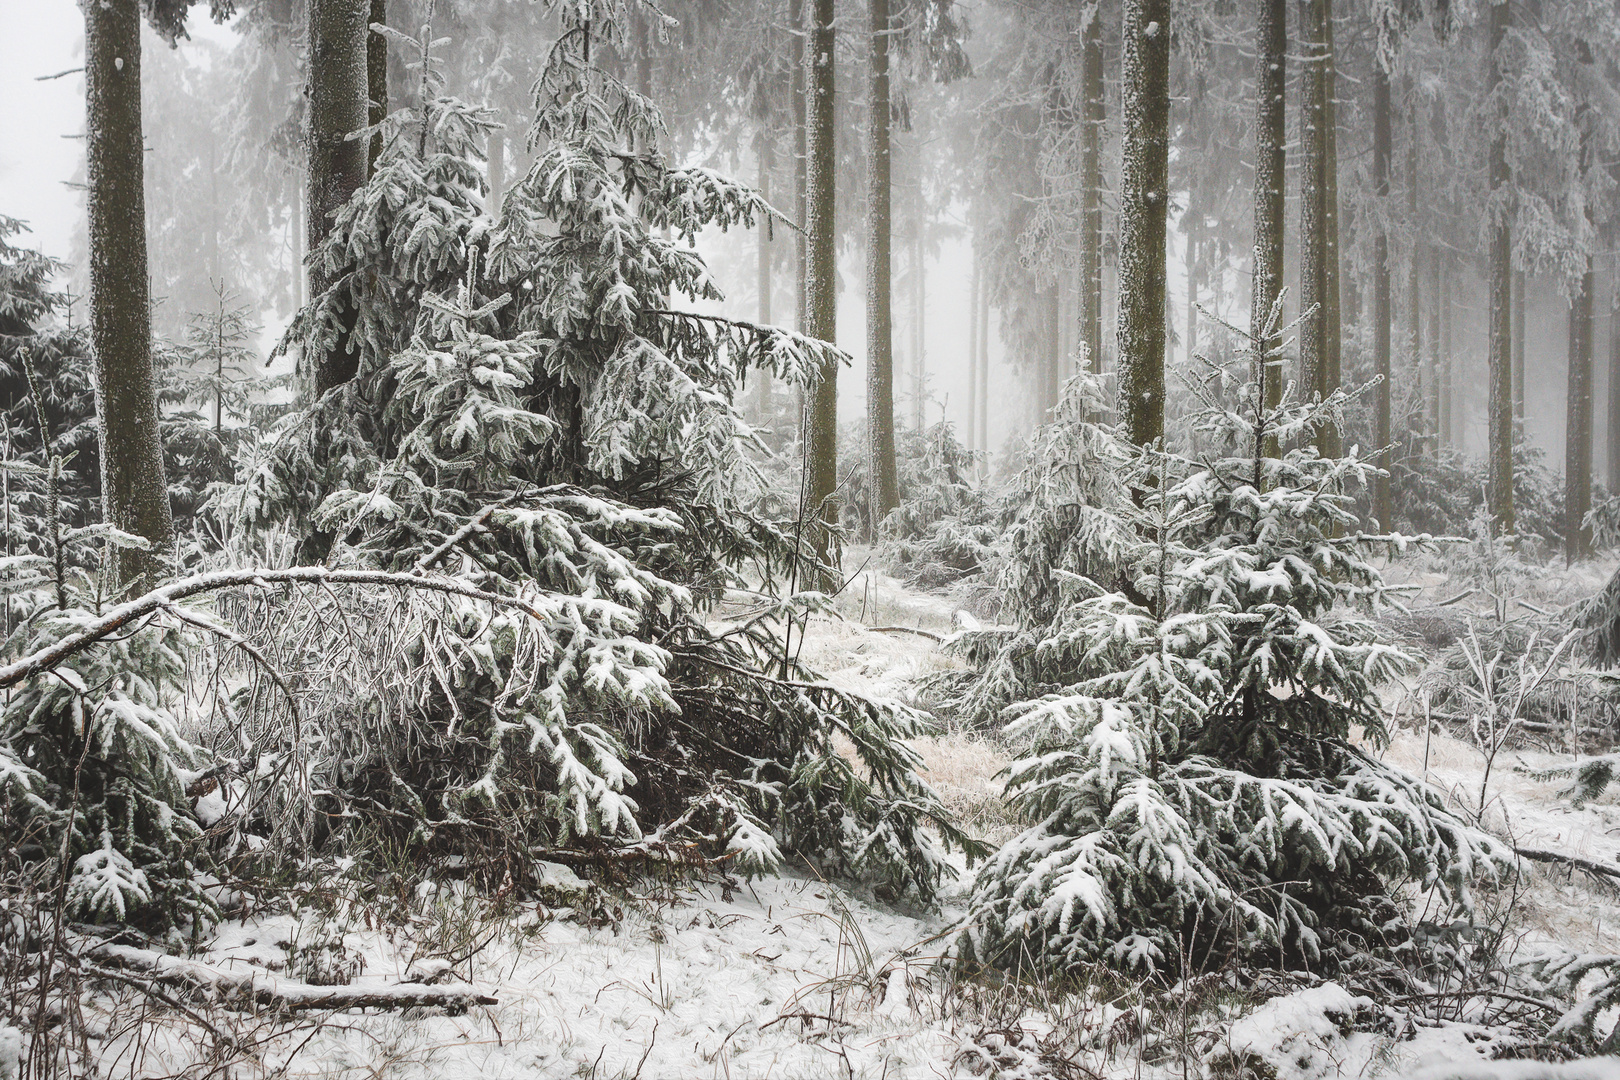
(1447, 412)
(337, 107)
(497, 173)
(1313, 209)
(879, 313)
(1578, 425)
(1614, 385)
(1518, 346)
(135, 497)
(1414, 264)
(801, 159)
(1192, 291)
(1383, 502)
(1052, 369)
(1144, 177)
(377, 79)
(1330, 437)
(1270, 178)
(919, 316)
(1434, 396)
(766, 234)
(984, 363)
(299, 290)
(1499, 352)
(1093, 115)
(972, 434)
(821, 297)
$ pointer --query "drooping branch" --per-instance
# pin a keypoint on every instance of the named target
(163, 598)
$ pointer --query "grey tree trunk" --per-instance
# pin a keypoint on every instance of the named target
(1414, 262)
(1312, 200)
(1578, 421)
(1518, 346)
(801, 159)
(984, 363)
(135, 497)
(1093, 115)
(1052, 370)
(885, 482)
(1434, 398)
(1446, 314)
(377, 78)
(763, 282)
(1383, 500)
(497, 173)
(1330, 438)
(1270, 179)
(1144, 177)
(1499, 351)
(972, 433)
(337, 107)
(1614, 386)
(821, 298)
(919, 296)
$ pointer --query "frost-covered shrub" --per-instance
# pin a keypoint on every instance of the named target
(944, 529)
(536, 418)
(1190, 671)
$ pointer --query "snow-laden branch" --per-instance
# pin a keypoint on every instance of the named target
(164, 598)
(265, 989)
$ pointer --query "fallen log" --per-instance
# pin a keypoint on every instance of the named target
(267, 990)
(1596, 869)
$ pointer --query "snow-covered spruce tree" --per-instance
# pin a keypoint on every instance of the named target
(533, 415)
(91, 755)
(1189, 675)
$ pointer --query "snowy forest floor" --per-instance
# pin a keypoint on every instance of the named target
(797, 977)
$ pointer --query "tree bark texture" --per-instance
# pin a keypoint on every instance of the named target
(1383, 501)
(972, 433)
(497, 173)
(879, 277)
(1518, 345)
(1330, 438)
(337, 108)
(1270, 180)
(1613, 441)
(821, 299)
(1144, 177)
(801, 161)
(984, 363)
(1093, 116)
(1313, 210)
(376, 78)
(135, 496)
(766, 154)
(1447, 412)
(1578, 421)
(1500, 334)
(1414, 264)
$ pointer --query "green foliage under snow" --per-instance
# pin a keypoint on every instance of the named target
(1191, 678)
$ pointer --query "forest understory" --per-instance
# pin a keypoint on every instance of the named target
(699, 973)
(518, 662)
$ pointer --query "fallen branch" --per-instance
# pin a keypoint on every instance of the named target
(164, 598)
(264, 989)
(929, 634)
(684, 854)
(1596, 869)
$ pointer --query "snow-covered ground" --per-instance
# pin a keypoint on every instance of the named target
(796, 977)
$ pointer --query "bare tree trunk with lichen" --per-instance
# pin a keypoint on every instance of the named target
(1144, 178)
(885, 482)
(337, 96)
(821, 298)
(135, 496)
